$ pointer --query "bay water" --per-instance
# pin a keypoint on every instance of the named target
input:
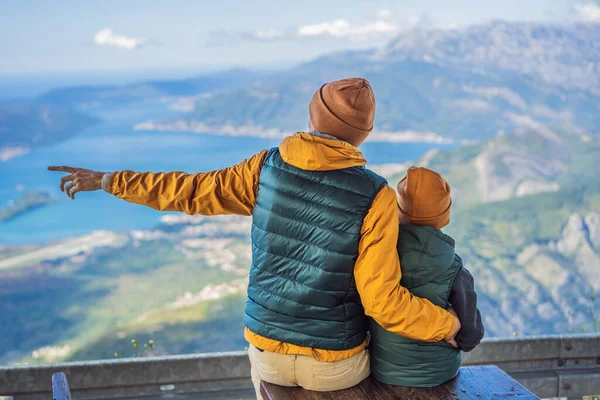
(114, 145)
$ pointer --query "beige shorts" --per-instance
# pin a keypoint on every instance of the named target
(306, 372)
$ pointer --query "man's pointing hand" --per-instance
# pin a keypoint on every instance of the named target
(79, 180)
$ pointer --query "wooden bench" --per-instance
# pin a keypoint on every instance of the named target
(479, 383)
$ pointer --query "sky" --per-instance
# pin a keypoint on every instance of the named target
(137, 37)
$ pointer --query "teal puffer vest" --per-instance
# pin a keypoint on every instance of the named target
(305, 233)
(429, 267)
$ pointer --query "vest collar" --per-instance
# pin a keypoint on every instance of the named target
(430, 251)
(429, 229)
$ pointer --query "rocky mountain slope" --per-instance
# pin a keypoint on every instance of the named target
(528, 161)
(526, 218)
(536, 260)
(562, 55)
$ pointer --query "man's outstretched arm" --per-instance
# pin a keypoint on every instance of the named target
(228, 191)
(377, 274)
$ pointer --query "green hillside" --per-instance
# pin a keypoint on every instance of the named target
(527, 162)
(77, 306)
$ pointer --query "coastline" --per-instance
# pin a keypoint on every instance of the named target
(181, 125)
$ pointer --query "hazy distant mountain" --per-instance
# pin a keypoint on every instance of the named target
(467, 84)
(462, 84)
(89, 97)
(59, 114)
(563, 55)
(26, 202)
(24, 126)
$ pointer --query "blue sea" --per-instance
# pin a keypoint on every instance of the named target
(114, 145)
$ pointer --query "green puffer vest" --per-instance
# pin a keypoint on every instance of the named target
(429, 267)
(305, 232)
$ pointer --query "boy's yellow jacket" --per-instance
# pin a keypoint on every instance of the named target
(377, 270)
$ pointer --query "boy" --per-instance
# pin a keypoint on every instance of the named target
(430, 269)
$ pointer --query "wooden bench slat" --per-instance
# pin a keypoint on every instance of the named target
(350, 394)
(280, 392)
(472, 383)
(486, 382)
(372, 389)
(272, 392)
(417, 393)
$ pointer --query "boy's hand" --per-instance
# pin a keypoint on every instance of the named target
(82, 180)
(452, 338)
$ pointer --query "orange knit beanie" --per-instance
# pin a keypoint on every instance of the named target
(344, 109)
(424, 198)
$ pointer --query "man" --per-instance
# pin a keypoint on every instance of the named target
(324, 238)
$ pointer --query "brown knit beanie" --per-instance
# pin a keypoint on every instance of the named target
(344, 109)
(424, 198)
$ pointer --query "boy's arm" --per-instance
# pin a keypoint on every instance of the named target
(228, 191)
(377, 274)
(463, 299)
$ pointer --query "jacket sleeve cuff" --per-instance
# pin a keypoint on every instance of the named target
(454, 328)
(106, 181)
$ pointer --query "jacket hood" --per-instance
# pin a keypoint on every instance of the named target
(425, 254)
(315, 153)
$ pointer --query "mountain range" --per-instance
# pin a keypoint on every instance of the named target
(431, 85)
(564, 55)
(91, 97)
(461, 84)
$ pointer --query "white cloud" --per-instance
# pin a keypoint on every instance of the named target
(6, 153)
(106, 37)
(408, 136)
(384, 13)
(337, 28)
(422, 21)
(341, 28)
(414, 20)
(383, 26)
(589, 12)
(269, 34)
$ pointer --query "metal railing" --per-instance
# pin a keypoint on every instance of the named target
(550, 366)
